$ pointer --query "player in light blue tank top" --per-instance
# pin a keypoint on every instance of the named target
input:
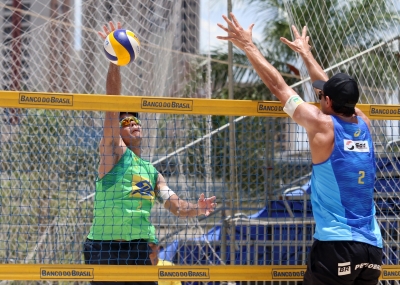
(347, 249)
(343, 186)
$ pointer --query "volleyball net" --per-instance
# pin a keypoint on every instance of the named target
(258, 166)
(263, 222)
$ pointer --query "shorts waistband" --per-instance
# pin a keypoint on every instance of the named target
(109, 241)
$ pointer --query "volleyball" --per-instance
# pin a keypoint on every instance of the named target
(121, 47)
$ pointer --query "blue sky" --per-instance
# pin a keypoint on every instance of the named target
(210, 14)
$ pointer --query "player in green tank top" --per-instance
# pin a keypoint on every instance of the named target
(126, 188)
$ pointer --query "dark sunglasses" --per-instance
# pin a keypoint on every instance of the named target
(320, 95)
(127, 121)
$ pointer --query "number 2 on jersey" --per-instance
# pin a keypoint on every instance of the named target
(361, 177)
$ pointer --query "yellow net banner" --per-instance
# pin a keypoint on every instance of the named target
(79, 272)
(195, 106)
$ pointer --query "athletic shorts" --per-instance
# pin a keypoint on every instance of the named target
(135, 252)
(343, 263)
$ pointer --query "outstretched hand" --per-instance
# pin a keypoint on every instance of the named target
(206, 205)
(300, 43)
(107, 30)
(236, 34)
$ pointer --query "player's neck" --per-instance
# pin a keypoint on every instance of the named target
(136, 150)
(351, 119)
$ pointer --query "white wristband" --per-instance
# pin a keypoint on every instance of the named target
(165, 193)
(291, 104)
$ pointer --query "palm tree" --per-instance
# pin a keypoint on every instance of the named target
(339, 30)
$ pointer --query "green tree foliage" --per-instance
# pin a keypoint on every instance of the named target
(46, 169)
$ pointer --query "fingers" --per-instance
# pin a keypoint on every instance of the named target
(102, 35)
(295, 32)
(223, 27)
(201, 198)
(226, 30)
(304, 32)
(285, 40)
(211, 198)
(231, 26)
(208, 205)
(107, 30)
(112, 27)
(251, 27)
(237, 25)
(234, 20)
(227, 19)
(210, 210)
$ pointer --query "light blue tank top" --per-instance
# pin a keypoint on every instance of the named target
(342, 187)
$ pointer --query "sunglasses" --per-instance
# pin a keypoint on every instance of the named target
(127, 121)
(320, 95)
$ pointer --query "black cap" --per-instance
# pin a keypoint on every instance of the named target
(341, 88)
(136, 114)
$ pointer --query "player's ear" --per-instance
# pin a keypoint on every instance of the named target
(328, 101)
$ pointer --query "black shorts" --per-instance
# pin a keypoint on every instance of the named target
(135, 252)
(343, 263)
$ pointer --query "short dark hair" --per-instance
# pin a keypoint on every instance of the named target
(136, 114)
(345, 111)
(343, 91)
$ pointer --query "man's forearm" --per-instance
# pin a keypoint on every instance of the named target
(314, 69)
(111, 120)
(267, 72)
(113, 83)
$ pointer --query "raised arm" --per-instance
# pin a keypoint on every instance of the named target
(301, 46)
(111, 145)
(180, 207)
(111, 121)
(304, 114)
(268, 74)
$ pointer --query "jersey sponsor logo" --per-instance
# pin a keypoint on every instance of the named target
(367, 265)
(141, 188)
(357, 133)
(357, 146)
(344, 268)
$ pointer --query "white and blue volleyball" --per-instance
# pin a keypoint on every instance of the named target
(122, 47)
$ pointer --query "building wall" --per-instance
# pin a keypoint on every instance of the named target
(37, 27)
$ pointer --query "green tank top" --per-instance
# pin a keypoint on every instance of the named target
(123, 201)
